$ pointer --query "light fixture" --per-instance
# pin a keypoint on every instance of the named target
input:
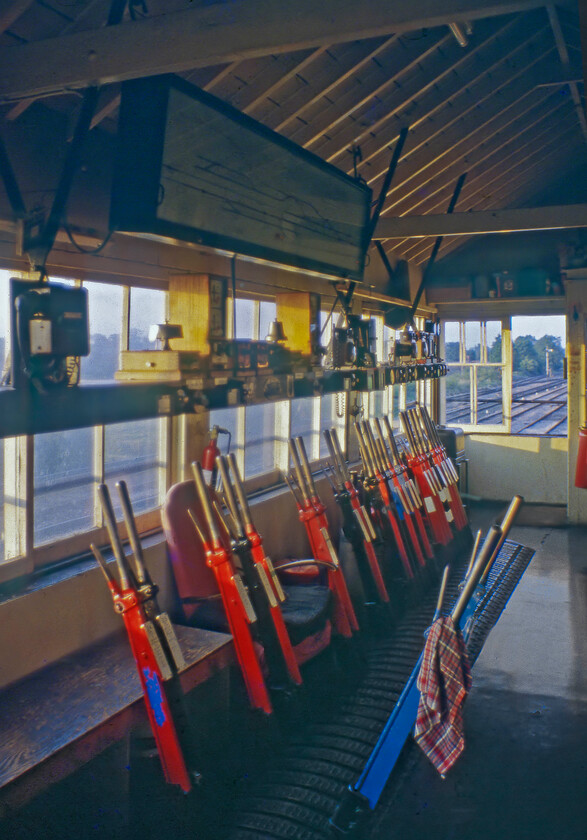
(460, 34)
(162, 333)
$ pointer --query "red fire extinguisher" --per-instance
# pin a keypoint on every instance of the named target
(209, 454)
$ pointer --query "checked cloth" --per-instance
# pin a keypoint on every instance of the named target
(444, 681)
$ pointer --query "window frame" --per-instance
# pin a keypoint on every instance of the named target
(505, 366)
(21, 555)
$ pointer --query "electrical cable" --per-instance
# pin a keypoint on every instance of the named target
(80, 248)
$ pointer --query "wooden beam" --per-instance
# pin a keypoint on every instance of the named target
(204, 36)
(11, 10)
(486, 221)
(563, 55)
(583, 29)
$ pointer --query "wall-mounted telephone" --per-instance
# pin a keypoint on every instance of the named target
(49, 329)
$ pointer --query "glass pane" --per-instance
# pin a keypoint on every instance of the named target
(451, 341)
(539, 393)
(267, 314)
(458, 395)
(147, 307)
(131, 452)
(2, 542)
(302, 423)
(395, 406)
(411, 392)
(63, 484)
(473, 341)
(493, 332)
(325, 327)
(331, 407)
(105, 308)
(259, 439)
(376, 332)
(245, 318)
(489, 395)
(4, 306)
(377, 404)
(227, 421)
(388, 344)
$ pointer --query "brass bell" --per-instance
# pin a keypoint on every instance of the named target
(276, 333)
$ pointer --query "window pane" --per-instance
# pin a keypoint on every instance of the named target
(451, 341)
(302, 423)
(493, 329)
(458, 395)
(326, 327)
(147, 306)
(411, 392)
(331, 407)
(259, 439)
(2, 542)
(395, 405)
(489, 395)
(377, 404)
(105, 308)
(4, 306)
(63, 484)
(245, 318)
(473, 341)
(227, 420)
(131, 452)
(267, 314)
(539, 393)
(388, 344)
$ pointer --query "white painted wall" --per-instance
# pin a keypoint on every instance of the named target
(41, 626)
(502, 465)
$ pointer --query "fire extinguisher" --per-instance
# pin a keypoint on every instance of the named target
(210, 453)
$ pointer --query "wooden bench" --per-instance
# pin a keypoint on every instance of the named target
(56, 720)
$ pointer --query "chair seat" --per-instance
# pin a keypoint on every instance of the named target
(305, 612)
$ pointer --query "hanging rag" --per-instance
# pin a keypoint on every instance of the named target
(444, 681)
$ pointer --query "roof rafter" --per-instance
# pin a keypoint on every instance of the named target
(502, 148)
(217, 34)
(484, 221)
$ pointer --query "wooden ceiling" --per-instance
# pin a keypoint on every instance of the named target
(506, 104)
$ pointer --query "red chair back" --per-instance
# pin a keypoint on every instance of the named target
(193, 577)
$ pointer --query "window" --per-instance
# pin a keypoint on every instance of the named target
(147, 307)
(395, 398)
(259, 439)
(229, 439)
(260, 433)
(474, 388)
(332, 415)
(507, 375)
(63, 484)
(4, 276)
(4, 303)
(2, 548)
(105, 315)
(51, 479)
(134, 452)
(267, 314)
(539, 390)
(304, 423)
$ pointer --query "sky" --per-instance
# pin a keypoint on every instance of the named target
(539, 325)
